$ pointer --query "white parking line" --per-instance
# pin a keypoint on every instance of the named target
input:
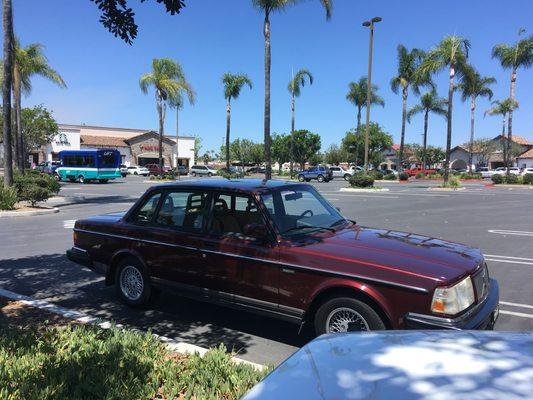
(69, 223)
(514, 233)
(516, 314)
(512, 258)
(509, 259)
(506, 303)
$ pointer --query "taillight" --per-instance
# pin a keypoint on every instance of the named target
(74, 237)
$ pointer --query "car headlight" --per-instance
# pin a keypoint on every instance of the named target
(454, 299)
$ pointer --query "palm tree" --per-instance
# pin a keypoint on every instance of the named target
(357, 96)
(430, 102)
(233, 84)
(178, 103)
(451, 53)
(473, 85)
(166, 77)
(268, 7)
(7, 81)
(295, 85)
(504, 108)
(409, 75)
(29, 61)
(518, 56)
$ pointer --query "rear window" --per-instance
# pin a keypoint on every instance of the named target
(108, 159)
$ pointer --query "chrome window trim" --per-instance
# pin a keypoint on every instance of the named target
(283, 264)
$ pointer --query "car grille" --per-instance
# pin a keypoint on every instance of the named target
(481, 283)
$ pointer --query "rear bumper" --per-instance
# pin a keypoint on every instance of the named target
(481, 317)
(82, 257)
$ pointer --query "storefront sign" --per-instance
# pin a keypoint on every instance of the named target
(148, 147)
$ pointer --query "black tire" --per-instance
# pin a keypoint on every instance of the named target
(135, 173)
(193, 174)
(132, 264)
(209, 174)
(347, 177)
(81, 179)
(308, 180)
(103, 180)
(123, 175)
(367, 313)
(301, 178)
(320, 178)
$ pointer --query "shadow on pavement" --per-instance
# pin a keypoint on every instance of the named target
(54, 278)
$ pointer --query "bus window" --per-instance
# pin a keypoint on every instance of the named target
(108, 160)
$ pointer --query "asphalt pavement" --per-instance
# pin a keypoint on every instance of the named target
(497, 220)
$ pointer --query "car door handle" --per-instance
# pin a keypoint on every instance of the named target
(287, 270)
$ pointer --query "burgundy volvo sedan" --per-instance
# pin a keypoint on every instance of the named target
(281, 249)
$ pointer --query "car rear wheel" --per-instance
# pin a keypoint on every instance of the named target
(347, 177)
(81, 179)
(193, 174)
(301, 178)
(132, 283)
(135, 173)
(344, 314)
(209, 174)
(320, 178)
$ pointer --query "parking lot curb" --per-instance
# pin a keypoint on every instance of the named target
(171, 344)
(445, 189)
(364, 190)
(14, 214)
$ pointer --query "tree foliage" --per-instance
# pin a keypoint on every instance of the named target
(306, 144)
(433, 155)
(334, 155)
(119, 19)
(281, 148)
(378, 142)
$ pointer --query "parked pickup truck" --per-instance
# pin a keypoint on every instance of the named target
(415, 171)
(282, 249)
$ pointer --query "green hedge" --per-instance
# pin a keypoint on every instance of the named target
(403, 176)
(376, 175)
(8, 198)
(527, 179)
(390, 177)
(361, 180)
(497, 179)
(85, 362)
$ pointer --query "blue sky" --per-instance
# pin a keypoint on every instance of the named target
(211, 37)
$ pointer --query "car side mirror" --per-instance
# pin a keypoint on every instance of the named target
(256, 231)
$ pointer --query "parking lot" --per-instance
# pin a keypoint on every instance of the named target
(497, 220)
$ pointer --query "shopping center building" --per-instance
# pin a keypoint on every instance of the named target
(136, 146)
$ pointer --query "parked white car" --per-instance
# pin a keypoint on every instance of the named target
(339, 172)
(137, 170)
(485, 172)
(353, 169)
(527, 171)
(503, 171)
(202, 170)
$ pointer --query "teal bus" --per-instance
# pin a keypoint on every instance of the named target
(89, 165)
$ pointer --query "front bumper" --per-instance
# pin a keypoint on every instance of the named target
(82, 257)
(481, 317)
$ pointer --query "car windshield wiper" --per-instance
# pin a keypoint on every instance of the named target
(297, 228)
(338, 222)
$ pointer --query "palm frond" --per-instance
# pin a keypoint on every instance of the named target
(298, 81)
(233, 84)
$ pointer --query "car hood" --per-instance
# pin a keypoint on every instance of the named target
(385, 255)
(99, 220)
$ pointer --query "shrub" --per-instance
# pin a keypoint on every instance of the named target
(34, 194)
(376, 175)
(435, 175)
(466, 175)
(47, 182)
(420, 175)
(454, 182)
(361, 180)
(497, 179)
(8, 198)
(228, 175)
(527, 179)
(390, 177)
(403, 176)
(512, 179)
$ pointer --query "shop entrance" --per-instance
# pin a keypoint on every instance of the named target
(148, 160)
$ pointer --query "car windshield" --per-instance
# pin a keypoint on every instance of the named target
(300, 211)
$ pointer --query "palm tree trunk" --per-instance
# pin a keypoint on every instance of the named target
(404, 117)
(161, 123)
(7, 20)
(177, 142)
(505, 145)
(291, 151)
(228, 122)
(471, 146)
(449, 125)
(510, 120)
(426, 115)
(16, 104)
(268, 169)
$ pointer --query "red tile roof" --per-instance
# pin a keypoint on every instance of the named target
(106, 141)
(527, 154)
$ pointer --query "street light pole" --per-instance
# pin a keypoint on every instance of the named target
(369, 83)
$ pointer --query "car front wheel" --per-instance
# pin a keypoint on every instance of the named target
(193, 174)
(320, 178)
(347, 177)
(209, 174)
(132, 283)
(301, 178)
(345, 314)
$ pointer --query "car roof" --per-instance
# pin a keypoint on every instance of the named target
(245, 185)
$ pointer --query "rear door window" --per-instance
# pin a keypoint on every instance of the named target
(183, 210)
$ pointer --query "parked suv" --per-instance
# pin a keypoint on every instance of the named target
(202, 170)
(339, 172)
(320, 173)
(283, 250)
(155, 169)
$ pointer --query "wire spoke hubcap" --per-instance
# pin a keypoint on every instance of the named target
(339, 319)
(131, 283)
